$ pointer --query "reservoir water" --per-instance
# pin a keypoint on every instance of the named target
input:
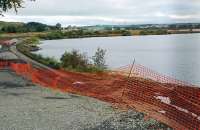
(176, 55)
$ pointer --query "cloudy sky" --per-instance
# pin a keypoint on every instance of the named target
(92, 12)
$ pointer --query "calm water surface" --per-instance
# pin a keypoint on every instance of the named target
(173, 55)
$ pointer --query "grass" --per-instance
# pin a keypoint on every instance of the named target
(21, 35)
(48, 61)
(76, 63)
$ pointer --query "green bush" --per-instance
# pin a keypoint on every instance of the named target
(153, 32)
(52, 35)
(126, 33)
(31, 41)
(48, 61)
(99, 59)
(74, 60)
(79, 62)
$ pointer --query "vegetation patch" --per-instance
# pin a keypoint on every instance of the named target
(51, 62)
(80, 62)
(153, 32)
(73, 61)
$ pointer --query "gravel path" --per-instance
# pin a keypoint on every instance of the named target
(6, 55)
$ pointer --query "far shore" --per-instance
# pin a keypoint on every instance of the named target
(44, 35)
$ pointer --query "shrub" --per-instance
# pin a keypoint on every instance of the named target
(52, 35)
(79, 62)
(153, 32)
(74, 60)
(99, 59)
(31, 41)
(48, 61)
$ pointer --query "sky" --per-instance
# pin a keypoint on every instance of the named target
(99, 12)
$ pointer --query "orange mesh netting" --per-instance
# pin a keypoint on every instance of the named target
(144, 72)
(4, 64)
(173, 102)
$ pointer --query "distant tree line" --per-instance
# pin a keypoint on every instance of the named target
(28, 27)
(153, 32)
(148, 26)
(185, 26)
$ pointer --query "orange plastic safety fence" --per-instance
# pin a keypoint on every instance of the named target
(174, 102)
(4, 64)
(180, 104)
(144, 72)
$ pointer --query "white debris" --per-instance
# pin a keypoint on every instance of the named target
(186, 111)
(181, 109)
(195, 115)
(165, 100)
(163, 112)
(77, 84)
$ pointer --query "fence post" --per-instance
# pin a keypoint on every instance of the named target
(128, 77)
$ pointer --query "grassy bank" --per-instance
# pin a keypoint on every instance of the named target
(51, 62)
(72, 61)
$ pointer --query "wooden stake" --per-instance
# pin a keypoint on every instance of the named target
(128, 77)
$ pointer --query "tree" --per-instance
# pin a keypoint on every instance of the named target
(99, 58)
(58, 26)
(31, 41)
(5, 5)
(36, 27)
(11, 29)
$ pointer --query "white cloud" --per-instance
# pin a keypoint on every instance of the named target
(184, 17)
(160, 14)
(83, 12)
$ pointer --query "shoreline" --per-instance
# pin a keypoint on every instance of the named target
(6, 36)
(121, 36)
